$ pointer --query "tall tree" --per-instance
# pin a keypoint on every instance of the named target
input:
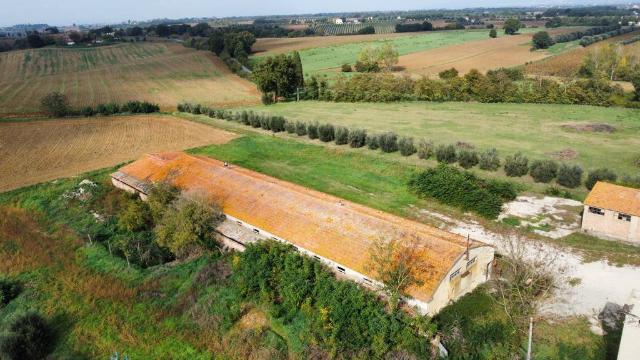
(278, 75)
(299, 72)
(512, 26)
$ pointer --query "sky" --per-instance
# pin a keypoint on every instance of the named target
(67, 12)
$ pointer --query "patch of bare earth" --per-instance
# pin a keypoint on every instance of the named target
(38, 151)
(565, 154)
(596, 128)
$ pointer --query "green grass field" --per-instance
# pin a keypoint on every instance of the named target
(536, 130)
(324, 60)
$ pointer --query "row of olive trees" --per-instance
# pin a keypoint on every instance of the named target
(516, 165)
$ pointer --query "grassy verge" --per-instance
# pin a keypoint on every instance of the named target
(594, 249)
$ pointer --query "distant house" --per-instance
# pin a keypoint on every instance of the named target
(612, 212)
(353, 20)
(339, 21)
(334, 231)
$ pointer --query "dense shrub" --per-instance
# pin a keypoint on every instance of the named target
(346, 68)
(339, 316)
(599, 175)
(462, 189)
(139, 107)
(373, 141)
(406, 147)
(489, 160)
(388, 142)
(29, 337)
(276, 123)
(446, 154)
(516, 165)
(570, 175)
(254, 120)
(543, 171)
(468, 158)
(87, 111)
(9, 290)
(341, 135)
(290, 127)
(542, 40)
(357, 138)
(312, 130)
(55, 104)
(326, 133)
(267, 98)
(425, 149)
(448, 74)
(265, 122)
(301, 128)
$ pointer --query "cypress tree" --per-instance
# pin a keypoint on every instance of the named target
(298, 66)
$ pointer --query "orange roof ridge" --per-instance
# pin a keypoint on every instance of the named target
(614, 197)
(328, 226)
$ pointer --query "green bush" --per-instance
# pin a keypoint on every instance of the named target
(388, 142)
(543, 171)
(312, 130)
(255, 120)
(29, 337)
(462, 189)
(516, 165)
(489, 160)
(55, 104)
(267, 98)
(373, 141)
(357, 138)
(468, 158)
(446, 154)
(406, 147)
(425, 149)
(276, 123)
(290, 127)
(599, 175)
(87, 111)
(570, 175)
(301, 128)
(265, 122)
(342, 135)
(346, 68)
(326, 133)
(9, 290)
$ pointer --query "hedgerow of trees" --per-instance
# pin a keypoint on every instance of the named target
(515, 165)
(279, 76)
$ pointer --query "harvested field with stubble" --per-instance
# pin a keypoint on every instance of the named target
(483, 55)
(163, 73)
(568, 63)
(38, 151)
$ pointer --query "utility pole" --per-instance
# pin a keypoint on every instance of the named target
(297, 93)
(530, 336)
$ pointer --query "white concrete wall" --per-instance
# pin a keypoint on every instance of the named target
(608, 226)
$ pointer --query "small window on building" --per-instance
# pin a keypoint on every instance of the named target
(367, 281)
(341, 269)
(471, 262)
(316, 257)
(595, 210)
(624, 217)
(239, 222)
(454, 274)
(256, 231)
(274, 238)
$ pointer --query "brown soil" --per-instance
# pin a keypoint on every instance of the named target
(598, 128)
(483, 55)
(38, 151)
(162, 73)
(566, 154)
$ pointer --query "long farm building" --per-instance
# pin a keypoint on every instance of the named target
(338, 232)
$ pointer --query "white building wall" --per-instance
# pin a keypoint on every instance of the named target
(608, 226)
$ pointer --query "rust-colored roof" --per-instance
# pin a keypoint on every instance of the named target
(615, 197)
(323, 224)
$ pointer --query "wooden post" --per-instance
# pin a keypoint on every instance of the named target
(530, 338)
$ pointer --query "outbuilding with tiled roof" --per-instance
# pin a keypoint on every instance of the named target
(612, 212)
(336, 231)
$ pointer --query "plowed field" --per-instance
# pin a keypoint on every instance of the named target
(38, 151)
(163, 73)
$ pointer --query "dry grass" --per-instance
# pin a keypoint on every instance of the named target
(164, 73)
(483, 55)
(37, 151)
(568, 63)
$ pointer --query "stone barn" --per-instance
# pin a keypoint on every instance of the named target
(612, 212)
(335, 231)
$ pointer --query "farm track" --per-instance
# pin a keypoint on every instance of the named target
(162, 73)
(38, 151)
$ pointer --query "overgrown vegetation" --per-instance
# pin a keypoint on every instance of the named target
(56, 104)
(464, 190)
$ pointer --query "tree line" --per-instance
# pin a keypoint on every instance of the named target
(56, 104)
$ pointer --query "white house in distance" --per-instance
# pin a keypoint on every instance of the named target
(612, 212)
(335, 231)
(338, 21)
